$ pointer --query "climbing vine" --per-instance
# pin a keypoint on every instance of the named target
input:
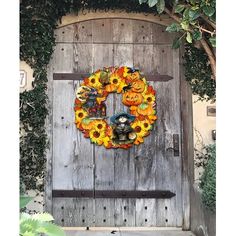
(198, 73)
(38, 20)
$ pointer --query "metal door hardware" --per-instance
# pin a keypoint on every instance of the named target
(176, 144)
(112, 194)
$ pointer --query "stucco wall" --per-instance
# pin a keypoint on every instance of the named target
(203, 126)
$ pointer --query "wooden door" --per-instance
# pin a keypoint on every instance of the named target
(79, 165)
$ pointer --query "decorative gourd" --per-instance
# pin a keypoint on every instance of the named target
(132, 99)
(138, 86)
(87, 123)
(145, 109)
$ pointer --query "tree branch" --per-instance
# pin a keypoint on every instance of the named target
(211, 57)
(204, 44)
(211, 23)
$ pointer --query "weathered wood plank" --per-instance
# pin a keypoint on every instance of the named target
(104, 159)
(63, 58)
(187, 144)
(124, 159)
(101, 31)
(82, 58)
(145, 154)
(122, 31)
(160, 35)
(83, 32)
(168, 107)
(142, 32)
(70, 212)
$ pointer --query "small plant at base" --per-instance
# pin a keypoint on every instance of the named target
(37, 224)
(208, 179)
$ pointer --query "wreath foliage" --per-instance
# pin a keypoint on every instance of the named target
(136, 94)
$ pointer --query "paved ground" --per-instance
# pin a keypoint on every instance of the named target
(128, 233)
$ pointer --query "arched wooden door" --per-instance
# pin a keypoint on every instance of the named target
(79, 165)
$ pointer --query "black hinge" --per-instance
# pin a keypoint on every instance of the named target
(112, 194)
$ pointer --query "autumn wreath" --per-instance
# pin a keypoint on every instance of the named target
(125, 129)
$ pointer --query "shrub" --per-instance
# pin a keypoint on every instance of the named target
(208, 179)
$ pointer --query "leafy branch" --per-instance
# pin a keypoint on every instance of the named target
(195, 19)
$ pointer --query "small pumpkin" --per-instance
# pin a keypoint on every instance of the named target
(131, 98)
(138, 86)
(87, 123)
(145, 109)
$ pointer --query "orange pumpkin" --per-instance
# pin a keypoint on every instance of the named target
(138, 86)
(87, 123)
(132, 99)
(145, 109)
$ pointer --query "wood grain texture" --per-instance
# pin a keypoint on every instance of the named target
(77, 164)
(187, 145)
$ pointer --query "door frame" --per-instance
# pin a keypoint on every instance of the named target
(185, 107)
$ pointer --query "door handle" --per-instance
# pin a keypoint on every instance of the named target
(176, 144)
(175, 147)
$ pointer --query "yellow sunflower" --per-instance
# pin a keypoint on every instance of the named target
(96, 136)
(80, 114)
(114, 83)
(146, 125)
(122, 84)
(140, 132)
(149, 98)
(99, 125)
(93, 81)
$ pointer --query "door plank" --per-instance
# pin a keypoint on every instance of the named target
(104, 158)
(124, 159)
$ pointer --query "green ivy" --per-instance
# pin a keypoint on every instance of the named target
(208, 179)
(198, 73)
(38, 20)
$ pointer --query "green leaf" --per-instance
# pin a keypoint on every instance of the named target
(43, 217)
(142, 1)
(176, 43)
(189, 37)
(160, 6)
(193, 15)
(186, 13)
(50, 229)
(213, 41)
(24, 201)
(197, 35)
(174, 27)
(152, 3)
(208, 10)
(184, 25)
(179, 8)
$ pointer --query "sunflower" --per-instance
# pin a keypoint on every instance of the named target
(114, 83)
(79, 115)
(146, 125)
(99, 125)
(149, 98)
(93, 81)
(140, 132)
(96, 136)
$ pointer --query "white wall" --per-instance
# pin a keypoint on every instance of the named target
(203, 126)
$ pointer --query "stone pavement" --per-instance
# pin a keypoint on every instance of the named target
(123, 232)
